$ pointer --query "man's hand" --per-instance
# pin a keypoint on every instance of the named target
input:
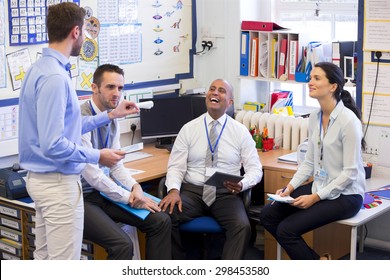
(172, 198)
(233, 187)
(110, 157)
(123, 109)
(140, 201)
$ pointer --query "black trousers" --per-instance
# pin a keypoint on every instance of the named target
(100, 218)
(287, 223)
(228, 209)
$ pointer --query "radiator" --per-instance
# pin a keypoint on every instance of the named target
(288, 132)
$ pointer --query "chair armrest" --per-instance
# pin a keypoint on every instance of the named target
(246, 198)
(162, 189)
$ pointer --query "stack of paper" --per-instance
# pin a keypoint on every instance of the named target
(284, 199)
(289, 158)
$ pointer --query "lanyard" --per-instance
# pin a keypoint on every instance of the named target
(212, 149)
(68, 67)
(321, 137)
(99, 133)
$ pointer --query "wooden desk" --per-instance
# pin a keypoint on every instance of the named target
(154, 167)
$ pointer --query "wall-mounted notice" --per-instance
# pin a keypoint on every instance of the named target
(380, 110)
(27, 21)
(8, 122)
(382, 78)
(376, 25)
(18, 63)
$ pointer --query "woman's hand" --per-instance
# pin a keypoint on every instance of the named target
(305, 201)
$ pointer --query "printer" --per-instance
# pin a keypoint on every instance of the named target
(12, 183)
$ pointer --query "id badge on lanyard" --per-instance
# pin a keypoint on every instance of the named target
(320, 175)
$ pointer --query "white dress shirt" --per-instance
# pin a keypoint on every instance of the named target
(96, 177)
(235, 148)
(341, 155)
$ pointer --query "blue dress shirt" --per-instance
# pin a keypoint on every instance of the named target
(50, 122)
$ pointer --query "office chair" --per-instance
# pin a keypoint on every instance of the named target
(205, 224)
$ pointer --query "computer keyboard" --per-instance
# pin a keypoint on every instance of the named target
(135, 156)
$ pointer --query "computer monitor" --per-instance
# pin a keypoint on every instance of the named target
(168, 116)
(349, 70)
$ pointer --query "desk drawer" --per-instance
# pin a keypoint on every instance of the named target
(274, 180)
(7, 256)
(10, 222)
(10, 246)
(10, 211)
(10, 234)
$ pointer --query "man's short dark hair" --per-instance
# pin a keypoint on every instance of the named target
(97, 76)
(62, 18)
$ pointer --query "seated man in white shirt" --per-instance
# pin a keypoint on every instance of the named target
(200, 149)
(101, 215)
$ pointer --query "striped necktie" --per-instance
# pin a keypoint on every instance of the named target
(209, 192)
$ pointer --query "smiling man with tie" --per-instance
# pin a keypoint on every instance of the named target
(212, 142)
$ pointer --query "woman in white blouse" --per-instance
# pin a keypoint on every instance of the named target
(333, 159)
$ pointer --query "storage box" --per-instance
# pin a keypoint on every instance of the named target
(260, 25)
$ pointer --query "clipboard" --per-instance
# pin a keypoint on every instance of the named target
(218, 178)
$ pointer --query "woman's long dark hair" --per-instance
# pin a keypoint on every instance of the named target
(335, 76)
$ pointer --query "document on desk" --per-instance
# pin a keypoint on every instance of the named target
(135, 171)
(140, 213)
(135, 156)
(289, 158)
(218, 178)
(284, 199)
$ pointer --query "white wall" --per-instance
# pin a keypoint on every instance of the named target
(221, 21)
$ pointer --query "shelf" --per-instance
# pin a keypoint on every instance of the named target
(270, 56)
(273, 80)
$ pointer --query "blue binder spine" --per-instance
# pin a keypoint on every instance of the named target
(244, 54)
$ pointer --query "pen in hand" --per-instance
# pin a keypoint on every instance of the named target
(272, 203)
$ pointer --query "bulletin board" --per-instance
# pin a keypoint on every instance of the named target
(153, 41)
(375, 87)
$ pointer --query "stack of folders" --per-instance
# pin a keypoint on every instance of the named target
(291, 158)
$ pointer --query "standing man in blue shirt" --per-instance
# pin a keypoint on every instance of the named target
(50, 129)
(101, 215)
